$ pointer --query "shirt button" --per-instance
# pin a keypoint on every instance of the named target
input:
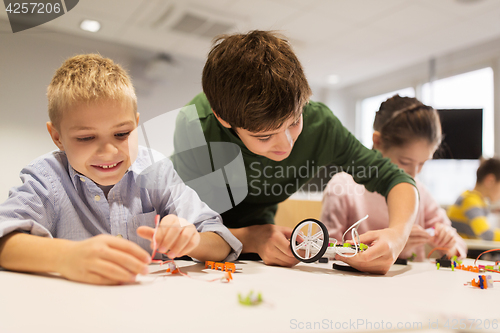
(97, 198)
(82, 179)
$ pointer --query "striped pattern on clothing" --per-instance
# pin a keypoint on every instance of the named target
(469, 215)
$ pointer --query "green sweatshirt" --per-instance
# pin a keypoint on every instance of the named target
(323, 141)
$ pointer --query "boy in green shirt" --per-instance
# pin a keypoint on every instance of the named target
(256, 97)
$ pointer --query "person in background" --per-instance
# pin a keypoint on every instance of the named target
(408, 133)
(469, 214)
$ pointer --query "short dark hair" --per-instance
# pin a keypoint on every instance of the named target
(254, 81)
(488, 167)
(401, 120)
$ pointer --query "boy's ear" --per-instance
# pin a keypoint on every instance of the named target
(137, 118)
(54, 134)
(377, 140)
(223, 122)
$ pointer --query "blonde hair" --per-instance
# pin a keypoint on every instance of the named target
(88, 78)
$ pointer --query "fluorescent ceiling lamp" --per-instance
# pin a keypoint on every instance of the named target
(90, 25)
(333, 79)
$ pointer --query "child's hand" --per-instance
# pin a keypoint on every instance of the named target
(385, 247)
(175, 236)
(273, 245)
(418, 236)
(445, 236)
(104, 259)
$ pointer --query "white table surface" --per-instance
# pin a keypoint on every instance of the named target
(293, 297)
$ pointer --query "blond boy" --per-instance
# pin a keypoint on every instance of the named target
(98, 186)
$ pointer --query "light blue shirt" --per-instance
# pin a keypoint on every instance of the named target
(56, 201)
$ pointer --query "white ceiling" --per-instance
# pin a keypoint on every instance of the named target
(354, 39)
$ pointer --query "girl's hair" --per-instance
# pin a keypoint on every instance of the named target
(401, 120)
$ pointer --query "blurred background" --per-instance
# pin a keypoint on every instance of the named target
(356, 53)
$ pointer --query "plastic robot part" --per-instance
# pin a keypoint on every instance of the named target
(219, 266)
(445, 262)
(227, 277)
(346, 268)
(483, 282)
(354, 230)
(310, 242)
(401, 261)
(251, 299)
(172, 267)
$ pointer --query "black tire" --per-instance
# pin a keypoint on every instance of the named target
(326, 241)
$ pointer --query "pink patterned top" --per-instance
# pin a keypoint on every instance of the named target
(345, 202)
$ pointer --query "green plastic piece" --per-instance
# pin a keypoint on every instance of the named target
(250, 299)
(438, 265)
(363, 247)
(346, 245)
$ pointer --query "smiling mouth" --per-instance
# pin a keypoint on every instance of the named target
(107, 166)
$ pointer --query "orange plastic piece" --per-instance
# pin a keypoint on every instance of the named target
(224, 267)
(229, 267)
(477, 283)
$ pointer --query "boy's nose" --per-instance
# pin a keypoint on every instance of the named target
(412, 171)
(107, 148)
(285, 140)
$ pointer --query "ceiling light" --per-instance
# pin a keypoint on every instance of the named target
(333, 79)
(90, 25)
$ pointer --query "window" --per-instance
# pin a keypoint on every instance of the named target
(447, 179)
(472, 90)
